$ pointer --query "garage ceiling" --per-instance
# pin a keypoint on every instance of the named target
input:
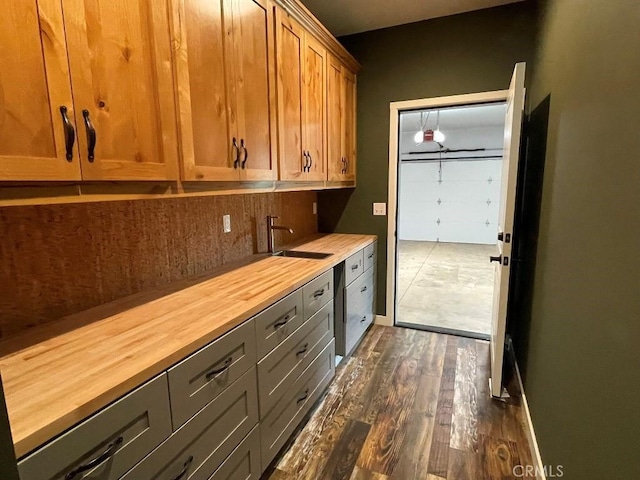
(344, 17)
(471, 116)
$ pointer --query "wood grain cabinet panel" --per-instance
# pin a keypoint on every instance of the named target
(34, 85)
(226, 89)
(341, 122)
(122, 78)
(302, 72)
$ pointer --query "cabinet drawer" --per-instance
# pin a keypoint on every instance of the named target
(370, 255)
(353, 267)
(280, 369)
(203, 376)
(359, 308)
(277, 322)
(317, 293)
(131, 427)
(201, 445)
(244, 461)
(282, 420)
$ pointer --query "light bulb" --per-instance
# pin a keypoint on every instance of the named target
(438, 136)
(419, 137)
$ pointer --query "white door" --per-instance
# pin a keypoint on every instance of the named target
(512, 130)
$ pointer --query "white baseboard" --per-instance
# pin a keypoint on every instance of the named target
(531, 434)
(383, 320)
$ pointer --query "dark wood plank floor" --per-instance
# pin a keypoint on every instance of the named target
(409, 405)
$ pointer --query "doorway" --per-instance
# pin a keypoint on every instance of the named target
(448, 197)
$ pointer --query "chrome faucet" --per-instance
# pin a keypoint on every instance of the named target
(270, 228)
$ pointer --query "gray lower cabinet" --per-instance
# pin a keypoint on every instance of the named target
(202, 444)
(109, 443)
(280, 369)
(276, 323)
(201, 377)
(354, 297)
(244, 462)
(317, 293)
(283, 419)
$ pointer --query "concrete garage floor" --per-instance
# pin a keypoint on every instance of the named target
(446, 285)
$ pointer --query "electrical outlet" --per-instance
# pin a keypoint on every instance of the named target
(226, 223)
(380, 209)
(315, 208)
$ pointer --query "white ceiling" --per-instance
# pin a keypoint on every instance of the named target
(344, 17)
(456, 118)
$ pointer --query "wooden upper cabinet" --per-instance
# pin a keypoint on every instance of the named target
(289, 54)
(34, 86)
(302, 70)
(341, 122)
(255, 106)
(122, 78)
(314, 108)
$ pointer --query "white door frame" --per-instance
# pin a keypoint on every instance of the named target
(392, 212)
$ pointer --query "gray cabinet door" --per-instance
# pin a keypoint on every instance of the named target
(317, 293)
(109, 443)
(370, 255)
(244, 462)
(280, 369)
(354, 266)
(283, 419)
(203, 376)
(200, 446)
(359, 308)
(277, 322)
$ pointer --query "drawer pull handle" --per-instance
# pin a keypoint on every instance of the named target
(91, 136)
(304, 349)
(282, 323)
(354, 267)
(236, 161)
(318, 293)
(303, 397)
(184, 470)
(213, 373)
(246, 154)
(364, 319)
(363, 289)
(69, 133)
(108, 453)
(370, 255)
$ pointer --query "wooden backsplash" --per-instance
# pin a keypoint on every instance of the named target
(61, 259)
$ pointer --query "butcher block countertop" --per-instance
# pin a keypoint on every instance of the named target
(60, 374)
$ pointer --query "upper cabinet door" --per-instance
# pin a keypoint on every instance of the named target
(336, 162)
(254, 63)
(203, 54)
(289, 52)
(34, 87)
(121, 73)
(349, 125)
(314, 108)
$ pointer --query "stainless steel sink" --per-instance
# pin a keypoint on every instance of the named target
(300, 254)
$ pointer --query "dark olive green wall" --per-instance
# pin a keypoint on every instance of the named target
(467, 53)
(581, 350)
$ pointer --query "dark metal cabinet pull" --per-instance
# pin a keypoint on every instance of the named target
(305, 154)
(246, 153)
(236, 161)
(496, 259)
(370, 255)
(213, 373)
(354, 267)
(303, 350)
(363, 289)
(304, 396)
(310, 161)
(364, 319)
(282, 323)
(69, 133)
(318, 293)
(108, 453)
(91, 136)
(184, 470)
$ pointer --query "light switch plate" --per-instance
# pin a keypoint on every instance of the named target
(226, 223)
(379, 208)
